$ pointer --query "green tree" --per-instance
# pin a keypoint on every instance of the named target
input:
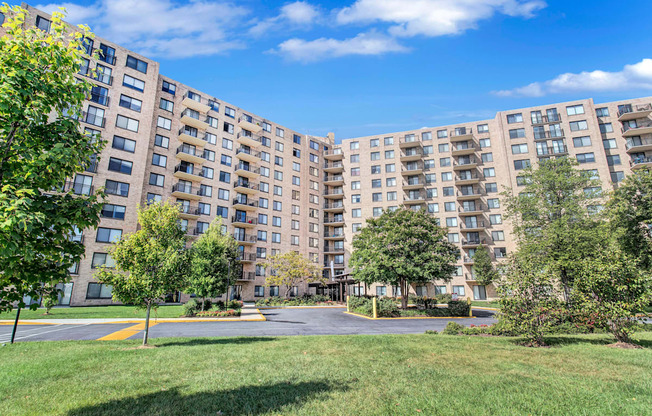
(41, 147)
(213, 256)
(291, 268)
(401, 248)
(553, 218)
(614, 289)
(630, 215)
(483, 268)
(150, 263)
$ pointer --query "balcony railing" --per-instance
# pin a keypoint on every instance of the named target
(468, 177)
(333, 205)
(190, 210)
(193, 96)
(190, 170)
(242, 166)
(472, 208)
(473, 241)
(189, 132)
(555, 118)
(244, 238)
(334, 152)
(459, 147)
(551, 134)
(466, 161)
(244, 150)
(328, 165)
(334, 234)
(552, 150)
(181, 187)
(640, 160)
(627, 128)
(336, 191)
(244, 184)
(242, 201)
(414, 197)
(463, 131)
(477, 224)
(247, 257)
(333, 220)
(632, 143)
(412, 152)
(250, 136)
(248, 276)
(190, 113)
(634, 109)
(244, 220)
(188, 150)
(333, 178)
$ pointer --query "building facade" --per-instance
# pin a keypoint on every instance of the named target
(279, 190)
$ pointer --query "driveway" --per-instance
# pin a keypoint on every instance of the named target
(309, 321)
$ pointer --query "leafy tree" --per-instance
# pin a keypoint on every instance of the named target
(213, 256)
(613, 288)
(401, 248)
(553, 219)
(630, 214)
(530, 301)
(151, 262)
(290, 269)
(41, 147)
(485, 272)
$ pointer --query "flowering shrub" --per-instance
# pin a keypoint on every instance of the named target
(306, 300)
(219, 314)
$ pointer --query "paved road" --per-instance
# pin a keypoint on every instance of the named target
(279, 322)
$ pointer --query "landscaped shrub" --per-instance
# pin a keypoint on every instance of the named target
(387, 308)
(207, 305)
(219, 314)
(191, 307)
(234, 304)
(305, 300)
(453, 328)
(356, 302)
(49, 303)
(431, 332)
(443, 298)
(458, 308)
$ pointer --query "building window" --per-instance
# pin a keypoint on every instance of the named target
(583, 141)
(574, 110)
(169, 88)
(381, 291)
(161, 141)
(136, 64)
(356, 213)
(514, 118)
(516, 133)
(98, 291)
(159, 160)
(613, 160)
(585, 157)
(259, 291)
(521, 164)
(519, 148)
(108, 235)
(166, 105)
(617, 176)
(114, 211)
(102, 259)
(602, 112)
(606, 128)
(156, 179)
(41, 23)
(133, 83)
(578, 125)
(119, 165)
(127, 123)
(125, 144)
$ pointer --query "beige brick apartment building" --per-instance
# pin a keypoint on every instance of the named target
(280, 190)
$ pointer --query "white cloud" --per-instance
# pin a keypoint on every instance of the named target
(160, 27)
(434, 17)
(363, 44)
(299, 13)
(636, 76)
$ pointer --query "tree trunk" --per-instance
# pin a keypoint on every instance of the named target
(13, 331)
(404, 295)
(146, 334)
(203, 302)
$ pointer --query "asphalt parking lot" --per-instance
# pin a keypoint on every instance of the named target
(280, 322)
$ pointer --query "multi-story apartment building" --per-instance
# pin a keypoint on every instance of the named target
(278, 190)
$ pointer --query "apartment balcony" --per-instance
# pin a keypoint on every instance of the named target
(198, 231)
(250, 123)
(470, 278)
(244, 222)
(188, 154)
(192, 120)
(637, 146)
(333, 167)
(184, 191)
(472, 243)
(247, 277)
(248, 155)
(415, 169)
(411, 155)
(193, 101)
(546, 119)
(188, 212)
(333, 250)
(552, 151)
(250, 140)
(245, 239)
(468, 179)
(334, 206)
(640, 129)
(334, 180)
(414, 199)
(334, 154)
(467, 260)
(462, 149)
(246, 257)
(641, 162)
(334, 221)
(245, 187)
(461, 134)
(247, 171)
(337, 193)
(245, 204)
(189, 137)
(635, 112)
(551, 134)
(414, 184)
(327, 265)
(471, 211)
(409, 141)
(473, 226)
(188, 173)
(334, 235)
(465, 164)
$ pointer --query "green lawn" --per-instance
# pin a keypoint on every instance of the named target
(486, 303)
(173, 311)
(327, 375)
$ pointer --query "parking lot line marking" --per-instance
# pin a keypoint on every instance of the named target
(47, 332)
(125, 333)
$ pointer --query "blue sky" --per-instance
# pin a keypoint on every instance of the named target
(365, 67)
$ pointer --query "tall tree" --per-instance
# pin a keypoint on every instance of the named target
(291, 268)
(553, 217)
(630, 215)
(214, 262)
(483, 268)
(41, 146)
(402, 248)
(150, 263)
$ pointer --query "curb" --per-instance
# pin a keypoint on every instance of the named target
(410, 317)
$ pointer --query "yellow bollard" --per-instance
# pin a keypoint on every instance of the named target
(375, 313)
(347, 303)
(468, 300)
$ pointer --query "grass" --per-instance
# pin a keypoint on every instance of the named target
(172, 311)
(486, 303)
(333, 375)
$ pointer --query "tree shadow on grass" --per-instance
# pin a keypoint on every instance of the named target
(212, 341)
(604, 339)
(245, 400)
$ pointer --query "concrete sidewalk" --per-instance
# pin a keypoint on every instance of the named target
(247, 315)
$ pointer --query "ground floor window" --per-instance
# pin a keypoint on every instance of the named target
(98, 291)
(358, 290)
(440, 290)
(459, 290)
(422, 291)
(273, 291)
(479, 292)
(397, 291)
(381, 291)
(259, 291)
(65, 293)
(294, 291)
